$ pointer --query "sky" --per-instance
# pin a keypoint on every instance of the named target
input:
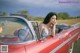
(41, 7)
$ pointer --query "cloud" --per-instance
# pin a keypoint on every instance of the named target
(39, 5)
(49, 3)
(44, 3)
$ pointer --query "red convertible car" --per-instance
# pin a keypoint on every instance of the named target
(18, 35)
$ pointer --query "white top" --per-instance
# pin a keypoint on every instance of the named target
(45, 31)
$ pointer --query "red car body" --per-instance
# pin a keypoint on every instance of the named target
(58, 44)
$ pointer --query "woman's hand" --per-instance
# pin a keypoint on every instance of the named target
(54, 27)
(54, 22)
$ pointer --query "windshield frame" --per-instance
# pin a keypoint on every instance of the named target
(30, 28)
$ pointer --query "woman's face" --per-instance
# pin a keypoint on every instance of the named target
(53, 19)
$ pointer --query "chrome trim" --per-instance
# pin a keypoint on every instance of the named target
(61, 45)
(26, 42)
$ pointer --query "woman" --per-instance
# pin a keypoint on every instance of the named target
(49, 24)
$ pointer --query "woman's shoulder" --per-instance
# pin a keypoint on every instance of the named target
(42, 25)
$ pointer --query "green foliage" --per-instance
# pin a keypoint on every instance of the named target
(23, 12)
(63, 15)
(3, 14)
(32, 18)
(38, 19)
(78, 16)
(76, 47)
(60, 16)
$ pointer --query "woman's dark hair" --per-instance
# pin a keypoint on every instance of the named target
(48, 17)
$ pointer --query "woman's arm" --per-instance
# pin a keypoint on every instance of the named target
(54, 29)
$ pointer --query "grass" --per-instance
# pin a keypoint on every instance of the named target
(70, 21)
(11, 27)
(77, 47)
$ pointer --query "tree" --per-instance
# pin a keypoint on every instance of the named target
(23, 12)
(78, 16)
(63, 15)
(3, 14)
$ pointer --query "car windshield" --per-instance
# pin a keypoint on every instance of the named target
(14, 30)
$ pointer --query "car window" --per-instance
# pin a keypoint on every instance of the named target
(14, 30)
